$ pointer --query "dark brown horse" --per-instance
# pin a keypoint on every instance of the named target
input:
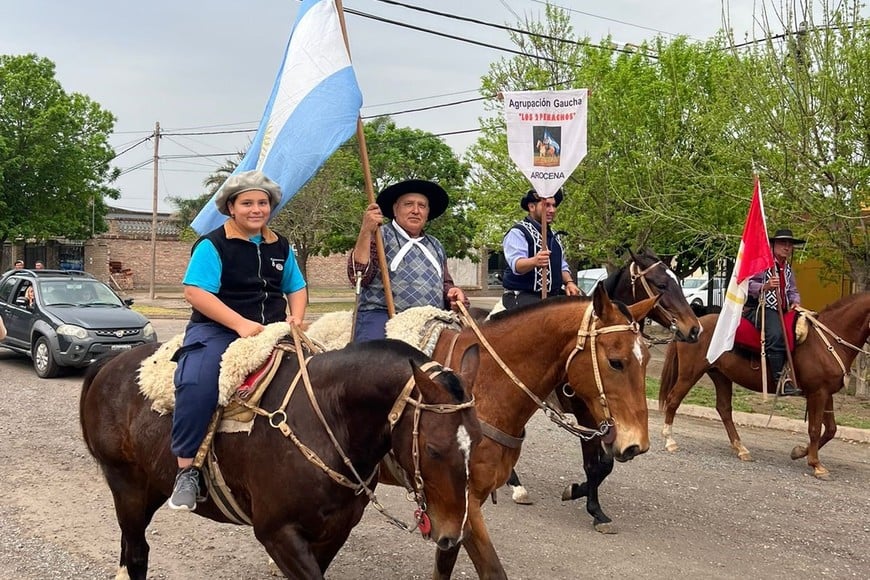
(644, 276)
(299, 513)
(821, 371)
(547, 345)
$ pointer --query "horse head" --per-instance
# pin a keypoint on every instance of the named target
(611, 350)
(433, 441)
(646, 275)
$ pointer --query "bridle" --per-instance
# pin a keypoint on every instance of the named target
(415, 487)
(586, 331)
(635, 274)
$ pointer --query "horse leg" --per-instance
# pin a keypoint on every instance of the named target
(134, 507)
(724, 398)
(293, 554)
(479, 547)
(679, 391)
(520, 495)
(597, 466)
(820, 409)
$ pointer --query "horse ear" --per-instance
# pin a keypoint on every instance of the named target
(639, 310)
(469, 365)
(631, 253)
(600, 300)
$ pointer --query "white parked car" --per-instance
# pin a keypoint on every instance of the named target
(695, 291)
(587, 279)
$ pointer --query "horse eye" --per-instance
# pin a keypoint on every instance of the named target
(616, 364)
(662, 286)
(432, 452)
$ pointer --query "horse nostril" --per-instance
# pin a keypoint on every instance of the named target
(629, 453)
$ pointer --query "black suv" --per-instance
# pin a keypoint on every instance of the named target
(64, 318)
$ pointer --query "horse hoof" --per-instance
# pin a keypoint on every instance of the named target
(605, 527)
(798, 451)
(745, 456)
(672, 447)
(521, 496)
(822, 474)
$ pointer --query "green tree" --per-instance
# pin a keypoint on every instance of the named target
(659, 170)
(54, 154)
(806, 84)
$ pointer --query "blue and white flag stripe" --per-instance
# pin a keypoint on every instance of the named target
(312, 110)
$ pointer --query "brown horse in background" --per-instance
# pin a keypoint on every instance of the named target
(821, 364)
(300, 514)
(644, 276)
(547, 345)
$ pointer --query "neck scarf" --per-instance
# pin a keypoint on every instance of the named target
(409, 243)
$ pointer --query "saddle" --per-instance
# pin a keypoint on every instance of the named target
(796, 329)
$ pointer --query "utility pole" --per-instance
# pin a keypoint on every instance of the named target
(151, 293)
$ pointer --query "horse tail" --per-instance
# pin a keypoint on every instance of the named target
(669, 373)
(90, 374)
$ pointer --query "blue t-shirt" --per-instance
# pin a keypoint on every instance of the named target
(205, 267)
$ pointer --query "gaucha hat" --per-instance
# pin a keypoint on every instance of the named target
(247, 181)
(436, 195)
(786, 234)
(532, 197)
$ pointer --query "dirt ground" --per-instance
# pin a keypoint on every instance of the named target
(698, 513)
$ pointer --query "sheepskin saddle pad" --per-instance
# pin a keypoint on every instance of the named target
(420, 327)
(245, 365)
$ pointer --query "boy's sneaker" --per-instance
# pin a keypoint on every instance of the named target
(186, 491)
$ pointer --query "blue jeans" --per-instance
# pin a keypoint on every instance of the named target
(370, 325)
(196, 384)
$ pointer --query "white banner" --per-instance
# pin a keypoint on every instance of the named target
(546, 133)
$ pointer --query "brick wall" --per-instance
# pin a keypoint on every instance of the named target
(172, 257)
(328, 271)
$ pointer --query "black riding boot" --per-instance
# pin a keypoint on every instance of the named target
(777, 365)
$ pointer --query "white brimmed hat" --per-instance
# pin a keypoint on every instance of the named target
(247, 181)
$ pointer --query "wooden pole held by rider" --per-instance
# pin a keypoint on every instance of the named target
(370, 192)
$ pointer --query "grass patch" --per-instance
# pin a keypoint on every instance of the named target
(849, 410)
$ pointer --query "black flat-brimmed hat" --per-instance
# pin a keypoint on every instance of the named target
(438, 199)
(786, 235)
(531, 196)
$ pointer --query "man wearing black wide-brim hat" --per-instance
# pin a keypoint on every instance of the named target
(527, 257)
(774, 291)
(416, 261)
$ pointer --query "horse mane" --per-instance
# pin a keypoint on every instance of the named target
(508, 314)
(449, 381)
(844, 302)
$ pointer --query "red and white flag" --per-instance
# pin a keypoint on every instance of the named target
(753, 256)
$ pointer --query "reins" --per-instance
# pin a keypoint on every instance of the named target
(819, 327)
(587, 330)
(278, 420)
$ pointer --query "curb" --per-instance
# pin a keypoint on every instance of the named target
(852, 434)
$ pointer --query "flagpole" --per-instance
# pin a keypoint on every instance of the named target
(544, 244)
(779, 298)
(370, 190)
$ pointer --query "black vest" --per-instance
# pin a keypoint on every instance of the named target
(250, 277)
(529, 282)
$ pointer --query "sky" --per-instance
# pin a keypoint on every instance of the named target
(207, 66)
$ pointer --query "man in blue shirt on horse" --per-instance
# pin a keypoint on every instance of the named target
(526, 256)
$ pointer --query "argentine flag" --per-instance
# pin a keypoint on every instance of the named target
(313, 108)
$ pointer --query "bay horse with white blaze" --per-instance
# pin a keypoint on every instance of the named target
(644, 276)
(821, 364)
(373, 397)
(544, 346)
